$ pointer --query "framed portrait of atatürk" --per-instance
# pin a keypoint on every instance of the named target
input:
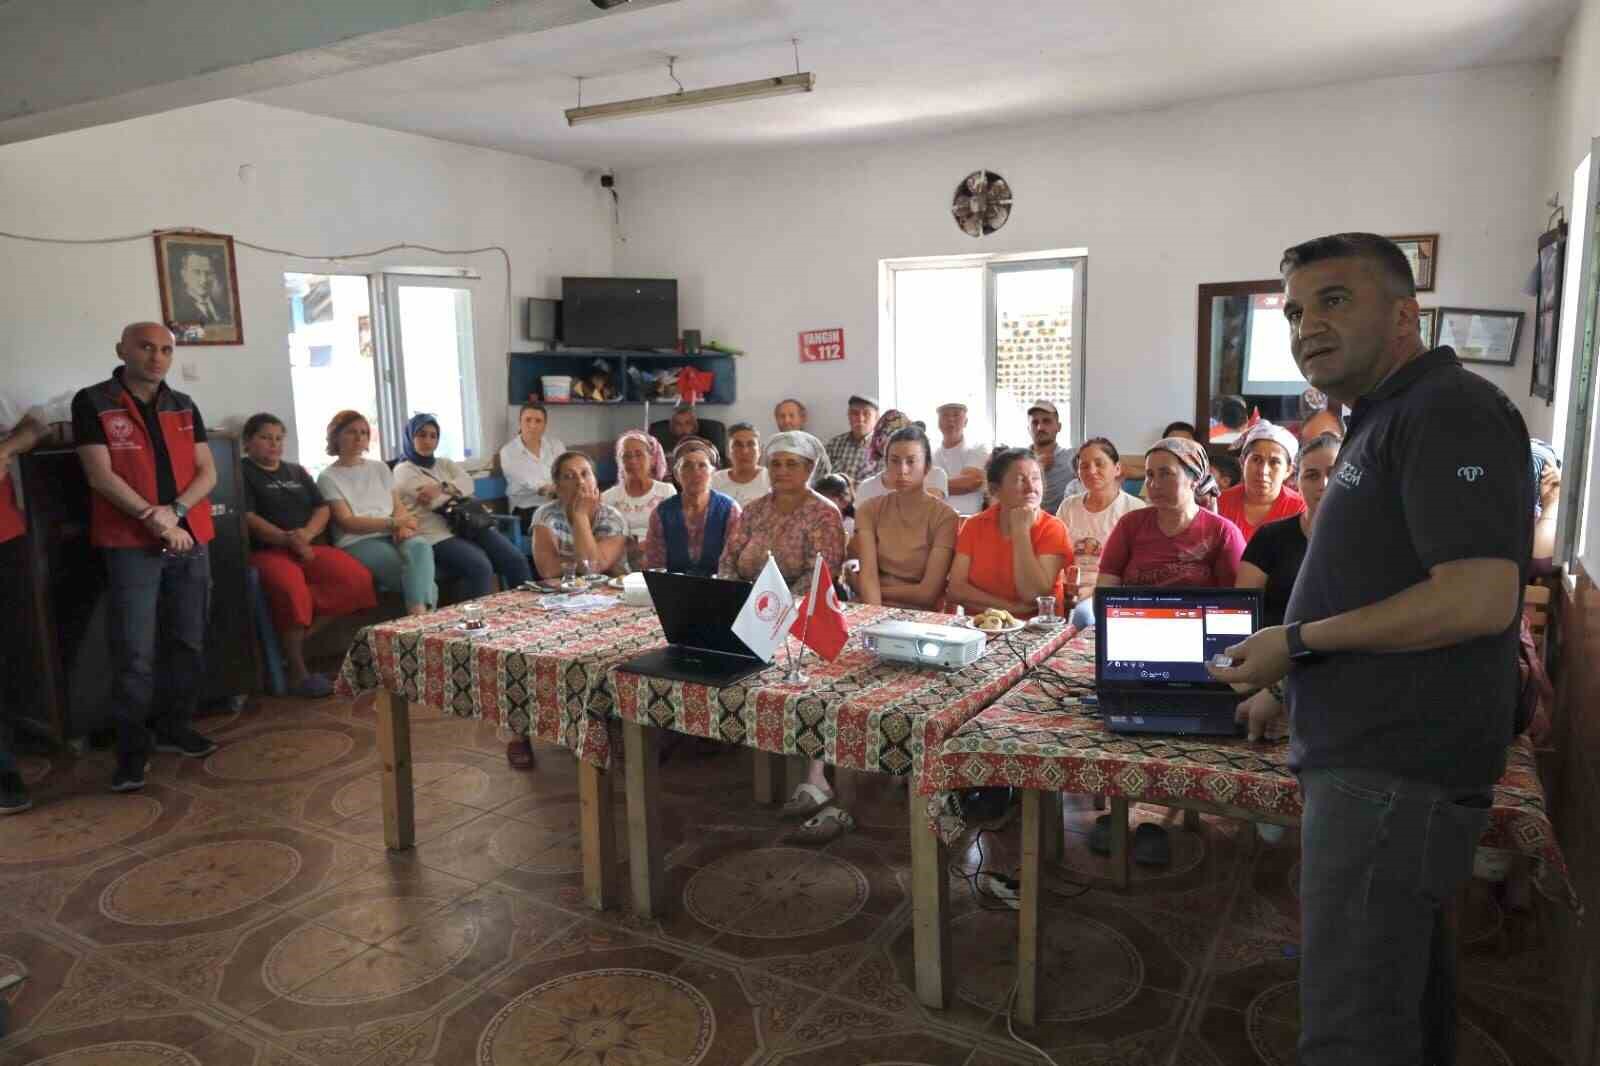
(199, 285)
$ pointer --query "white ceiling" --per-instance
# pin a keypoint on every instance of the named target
(890, 68)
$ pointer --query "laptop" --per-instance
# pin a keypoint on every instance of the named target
(697, 615)
(1151, 650)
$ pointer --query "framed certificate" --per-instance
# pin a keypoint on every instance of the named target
(1480, 336)
(1428, 326)
(1422, 252)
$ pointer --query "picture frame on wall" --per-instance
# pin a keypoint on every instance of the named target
(1428, 326)
(199, 284)
(1479, 335)
(1547, 313)
(1422, 252)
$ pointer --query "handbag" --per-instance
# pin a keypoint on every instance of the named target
(466, 516)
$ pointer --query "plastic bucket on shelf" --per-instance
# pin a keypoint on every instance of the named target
(557, 388)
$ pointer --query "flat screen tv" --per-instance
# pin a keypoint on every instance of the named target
(619, 312)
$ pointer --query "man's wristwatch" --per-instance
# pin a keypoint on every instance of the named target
(1298, 652)
(179, 509)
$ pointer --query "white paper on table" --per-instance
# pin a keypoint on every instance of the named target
(763, 622)
(578, 602)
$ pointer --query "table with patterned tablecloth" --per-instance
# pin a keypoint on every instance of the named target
(1042, 738)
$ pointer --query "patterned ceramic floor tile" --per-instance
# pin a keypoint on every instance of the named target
(268, 752)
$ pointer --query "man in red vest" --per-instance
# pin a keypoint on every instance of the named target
(143, 450)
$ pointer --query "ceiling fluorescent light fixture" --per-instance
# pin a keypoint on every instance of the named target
(692, 98)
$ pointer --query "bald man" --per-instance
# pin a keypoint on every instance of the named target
(143, 449)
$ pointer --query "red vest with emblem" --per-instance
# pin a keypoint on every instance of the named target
(134, 461)
(12, 524)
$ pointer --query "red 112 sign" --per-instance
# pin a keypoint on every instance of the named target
(822, 345)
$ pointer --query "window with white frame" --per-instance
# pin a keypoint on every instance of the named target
(997, 333)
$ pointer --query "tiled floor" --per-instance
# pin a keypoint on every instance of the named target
(242, 910)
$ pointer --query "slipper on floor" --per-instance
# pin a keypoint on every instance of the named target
(1100, 835)
(807, 800)
(1151, 845)
(824, 827)
(314, 687)
(519, 754)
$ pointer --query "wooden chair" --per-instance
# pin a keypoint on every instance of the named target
(1536, 607)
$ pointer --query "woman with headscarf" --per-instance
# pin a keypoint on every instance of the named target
(793, 522)
(1013, 551)
(688, 531)
(936, 483)
(642, 485)
(1267, 452)
(1174, 541)
(426, 483)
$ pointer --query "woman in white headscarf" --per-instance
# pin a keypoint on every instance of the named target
(793, 521)
(1267, 453)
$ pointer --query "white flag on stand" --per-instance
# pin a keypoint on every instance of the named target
(763, 622)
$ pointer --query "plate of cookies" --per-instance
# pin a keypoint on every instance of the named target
(996, 621)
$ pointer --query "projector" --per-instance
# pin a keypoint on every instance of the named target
(920, 644)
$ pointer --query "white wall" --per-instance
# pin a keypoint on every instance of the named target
(767, 245)
(316, 185)
(1575, 104)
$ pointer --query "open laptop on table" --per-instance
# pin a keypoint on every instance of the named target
(1151, 650)
(697, 615)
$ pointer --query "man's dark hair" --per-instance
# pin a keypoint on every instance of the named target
(742, 427)
(1391, 264)
(1231, 411)
(1182, 427)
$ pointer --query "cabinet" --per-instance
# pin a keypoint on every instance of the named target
(59, 623)
(525, 369)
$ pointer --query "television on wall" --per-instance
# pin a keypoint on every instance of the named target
(619, 312)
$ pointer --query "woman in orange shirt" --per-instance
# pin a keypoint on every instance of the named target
(1012, 553)
(1267, 453)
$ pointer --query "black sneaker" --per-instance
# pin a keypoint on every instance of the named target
(185, 741)
(13, 794)
(129, 775)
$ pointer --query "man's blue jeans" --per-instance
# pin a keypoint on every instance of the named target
(158, 607)
(1382, 860)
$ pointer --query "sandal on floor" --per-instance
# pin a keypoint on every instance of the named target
(1100, 835)
(519, 754)
(824, 827)
(807, 800)
(1151, 846)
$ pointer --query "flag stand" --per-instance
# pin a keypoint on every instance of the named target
(797, 676)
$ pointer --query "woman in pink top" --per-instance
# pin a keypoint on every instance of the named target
(1267, 452)
(1174, 541)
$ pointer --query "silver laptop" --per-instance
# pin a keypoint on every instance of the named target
(1151, 650)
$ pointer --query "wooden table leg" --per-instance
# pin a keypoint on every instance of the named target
(641, 768)
(1034, 826)
(394, 746)
(844, 786)
(1191, 819)
(1055, 843)
(769, 773)
(930, 905)
(599, 838)
(1119, 842)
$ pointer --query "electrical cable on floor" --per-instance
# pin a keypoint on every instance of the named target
(1011, 1029)
(401, 246)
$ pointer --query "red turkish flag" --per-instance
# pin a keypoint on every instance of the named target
(820, 624)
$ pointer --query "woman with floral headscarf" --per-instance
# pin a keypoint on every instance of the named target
(641, 486)
(935, 484)
(1174, 541)
(1267, 453)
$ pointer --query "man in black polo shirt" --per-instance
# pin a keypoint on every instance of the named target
(1400, 650)
(144, 454)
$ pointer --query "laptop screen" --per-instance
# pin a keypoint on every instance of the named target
(1158, 638)
(699, 612)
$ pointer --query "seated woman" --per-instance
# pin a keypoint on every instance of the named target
(525, 462)
(889, 423)
(1174, 541)
(306, 583)
(1012, 552)
(1272, 559)
(426, 483)
(1091, 515)
(795, 525)
(906, 538)
(792, 522)
(643, 469)
(746, 481)
(576, 527)
(369, 519)
(688, 531)
(1267, 452)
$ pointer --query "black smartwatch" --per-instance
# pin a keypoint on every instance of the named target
(1298, 652)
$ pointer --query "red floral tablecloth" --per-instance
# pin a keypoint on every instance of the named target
(1039, 736)
(553, 677)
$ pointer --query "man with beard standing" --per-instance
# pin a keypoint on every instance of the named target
(1055, 462)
